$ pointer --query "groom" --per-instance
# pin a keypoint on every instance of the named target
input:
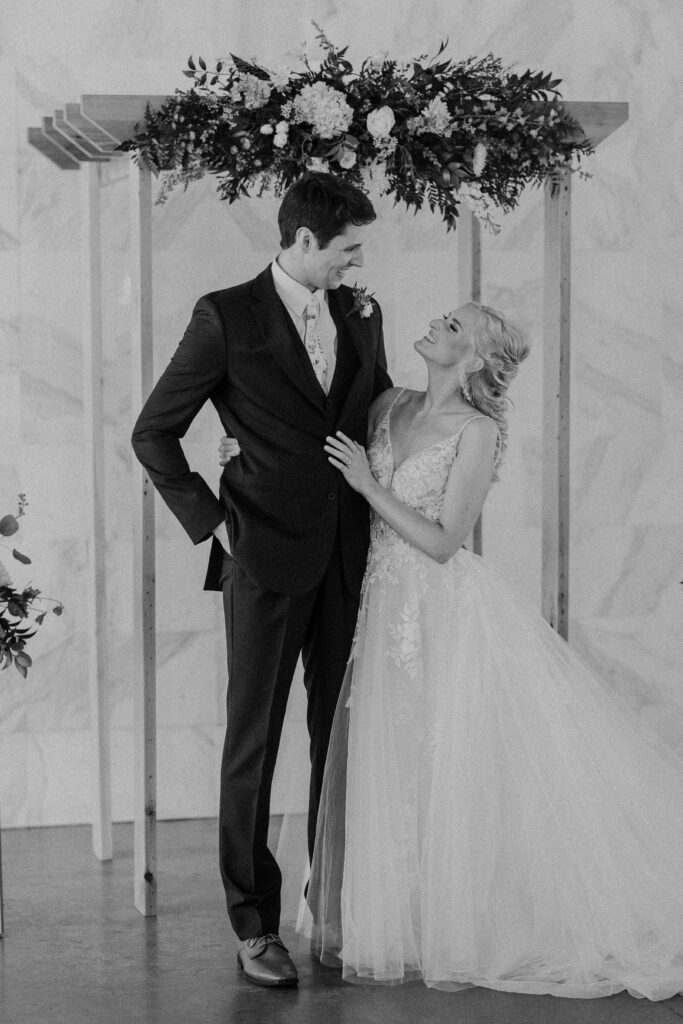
(286, 359)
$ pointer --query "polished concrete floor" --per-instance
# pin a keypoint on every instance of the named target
(76, 951)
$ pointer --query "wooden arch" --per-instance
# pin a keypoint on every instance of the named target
(83, 136)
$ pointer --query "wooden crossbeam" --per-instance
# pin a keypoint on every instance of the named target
(106, 120)
(118, 115)
(52, 150)
(99, 139)
(62, 140)
(90, 152)
(598, 119)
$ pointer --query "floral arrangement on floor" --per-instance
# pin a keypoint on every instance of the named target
(434, 131)
(19, 620)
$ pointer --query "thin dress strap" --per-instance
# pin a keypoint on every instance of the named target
(384, 418)
(393, 402)
(479, 416)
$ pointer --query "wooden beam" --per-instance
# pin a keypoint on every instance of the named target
(556, 381)
(598, 120)
(469, 264)
(52, 150)
(105, 120)
(89, 151)
(144, 611)
(96, 605)
(100, 140)
(62, 140)
(2, 899)
(118, 115)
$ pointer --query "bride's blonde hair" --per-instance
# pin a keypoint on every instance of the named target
(499, 348)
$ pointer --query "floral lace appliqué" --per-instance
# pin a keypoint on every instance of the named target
(407, 649)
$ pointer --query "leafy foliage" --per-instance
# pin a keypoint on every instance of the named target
(471, 131)
(19, 620)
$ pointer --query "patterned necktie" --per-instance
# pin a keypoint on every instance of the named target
(313, 344)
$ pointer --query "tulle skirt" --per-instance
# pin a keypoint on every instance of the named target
(492, 813)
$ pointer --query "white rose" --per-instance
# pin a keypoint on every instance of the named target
(380, 122)
(366, 310)
(479, 160)
(347, 158)
(282, 127)
(266, 129)
(280, 141)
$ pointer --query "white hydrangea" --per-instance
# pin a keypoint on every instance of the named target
(324, 108)
(434, 118)
(253, 91)
(280, 77)
(316, 163)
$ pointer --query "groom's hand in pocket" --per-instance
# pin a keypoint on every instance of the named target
(228, 448)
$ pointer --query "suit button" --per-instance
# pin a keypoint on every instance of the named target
(331, 495)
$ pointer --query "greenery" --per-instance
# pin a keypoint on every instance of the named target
(19, 619)
(424, 131)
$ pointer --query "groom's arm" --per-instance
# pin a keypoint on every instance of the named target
(198, 366)
(382, 380)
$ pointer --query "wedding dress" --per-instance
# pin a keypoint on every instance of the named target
(492, 813)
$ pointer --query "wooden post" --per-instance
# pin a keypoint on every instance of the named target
(556, 341)
(2, 899)
(469, 263)
(144, 682)
(96, 605)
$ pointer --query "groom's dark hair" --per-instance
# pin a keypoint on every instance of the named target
(325, 205)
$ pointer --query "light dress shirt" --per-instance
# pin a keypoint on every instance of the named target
(296, 297)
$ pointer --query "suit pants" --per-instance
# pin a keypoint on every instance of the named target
(266, 632)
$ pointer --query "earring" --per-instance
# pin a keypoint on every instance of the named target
(466, 392)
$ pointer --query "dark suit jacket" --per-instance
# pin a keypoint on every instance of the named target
(280, 498)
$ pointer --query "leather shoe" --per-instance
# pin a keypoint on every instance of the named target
(266, 961)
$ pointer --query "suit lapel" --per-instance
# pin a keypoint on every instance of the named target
(282, 339)
(351, 323)
(353, 330)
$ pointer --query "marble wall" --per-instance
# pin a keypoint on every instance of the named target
(627, 361)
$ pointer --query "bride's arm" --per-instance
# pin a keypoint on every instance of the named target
(468, 484)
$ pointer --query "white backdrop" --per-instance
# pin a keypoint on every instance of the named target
(627, 360)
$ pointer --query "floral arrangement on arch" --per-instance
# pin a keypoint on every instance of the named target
(434, 131)
(19, 620)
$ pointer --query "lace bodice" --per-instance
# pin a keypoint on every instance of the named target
(419, 481)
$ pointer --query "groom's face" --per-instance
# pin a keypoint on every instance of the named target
(325, 268)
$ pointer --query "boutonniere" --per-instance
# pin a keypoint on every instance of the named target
(361, 302)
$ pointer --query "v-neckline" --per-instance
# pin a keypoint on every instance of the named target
(435, 444)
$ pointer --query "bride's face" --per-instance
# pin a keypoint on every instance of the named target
(450, 339)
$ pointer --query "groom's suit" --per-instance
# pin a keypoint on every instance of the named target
(298, 537)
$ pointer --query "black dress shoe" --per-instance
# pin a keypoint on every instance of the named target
(265, 961)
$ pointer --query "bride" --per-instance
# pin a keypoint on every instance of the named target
(492, 813)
